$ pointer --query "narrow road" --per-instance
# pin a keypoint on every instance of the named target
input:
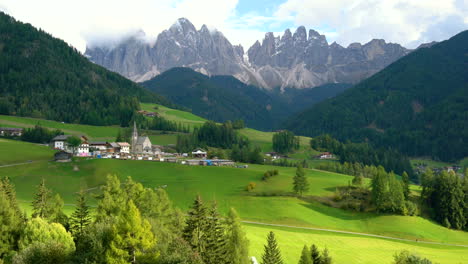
(15, 164)
(354, 233)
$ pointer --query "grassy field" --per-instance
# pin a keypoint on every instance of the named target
(227, 186)
(95, 132)
(179, 116)
(12, 152)
(347, 248)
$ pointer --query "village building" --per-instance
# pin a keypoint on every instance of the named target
(140, 144)
(147, 113)
(11, 132)
(60, 142)
(325, 155)
(124, 147)
(199, 153)
(83, 148)
(113, 147)
(100, 146)
(62, 156)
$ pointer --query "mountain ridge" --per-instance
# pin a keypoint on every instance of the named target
(295, 60)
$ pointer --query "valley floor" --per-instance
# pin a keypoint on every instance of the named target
(270, 202)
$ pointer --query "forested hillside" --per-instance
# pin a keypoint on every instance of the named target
(209, 99)
(41, 76)
(418, 105)
(223, 98)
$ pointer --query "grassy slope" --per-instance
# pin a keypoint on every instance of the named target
(18, 152)
(347, 248)
(226, 185)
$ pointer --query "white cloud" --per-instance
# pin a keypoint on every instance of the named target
(408, 22)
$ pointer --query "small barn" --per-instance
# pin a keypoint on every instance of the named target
(63, 156)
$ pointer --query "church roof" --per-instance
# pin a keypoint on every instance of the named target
(140, 140)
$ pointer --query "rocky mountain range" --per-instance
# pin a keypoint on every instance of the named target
(294, 60)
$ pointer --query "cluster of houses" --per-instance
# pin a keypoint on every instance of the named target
(11, 132)
(140, 148)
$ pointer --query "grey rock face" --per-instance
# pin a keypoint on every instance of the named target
(299, 60)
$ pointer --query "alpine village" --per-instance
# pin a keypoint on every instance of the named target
(144, 132)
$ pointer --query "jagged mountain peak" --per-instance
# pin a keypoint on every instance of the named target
(182, 25)
(300, 60)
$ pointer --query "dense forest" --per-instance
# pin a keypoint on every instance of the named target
(417, 105)
(42, 76)
(222, 98)
(365, 154)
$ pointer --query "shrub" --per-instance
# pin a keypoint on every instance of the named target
(251, 186)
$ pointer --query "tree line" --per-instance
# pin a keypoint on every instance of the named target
(285, 142)
(446, 195)
(365, 154)
(39, 134)
(222, 136)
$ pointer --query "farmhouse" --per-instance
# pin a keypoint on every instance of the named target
(199, 153)
(147, 113)
(325, 155)
(124, 147)
(98, 145)
(83, 148)
(11, 132)
(60, 142)
(113, 147)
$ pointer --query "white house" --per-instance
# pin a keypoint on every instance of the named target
(60, 142)
(124, 147)
(83, 149)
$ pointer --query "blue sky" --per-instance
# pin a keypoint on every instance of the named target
(91, 22)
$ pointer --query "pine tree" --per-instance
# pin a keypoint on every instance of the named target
(215, 239)
(237, 243)
(56, 214)
(113, 199)
(272, 254)
(41, 203)
(326, 259)
(406, 182)
(305, 256)
(10, 192)
(300, 183)
(133, 238)
(196, 223)
(80, 218)
(315, 254)
(11, 220)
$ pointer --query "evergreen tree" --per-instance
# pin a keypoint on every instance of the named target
(300, 183)
(11, 222)
(315, 254)
(406, 183)
(133, 238)
(80, 218)
(195, 230)
(41, 202)
(237, 243)
(325, 259)
(271, 254)
(56, 214)
(112, 200)
(215, 238)
(305, 256)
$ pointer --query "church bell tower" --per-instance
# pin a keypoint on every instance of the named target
(134, 137)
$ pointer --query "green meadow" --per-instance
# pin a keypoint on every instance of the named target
(270, 202)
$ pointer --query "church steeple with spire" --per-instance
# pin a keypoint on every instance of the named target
(134, 137)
